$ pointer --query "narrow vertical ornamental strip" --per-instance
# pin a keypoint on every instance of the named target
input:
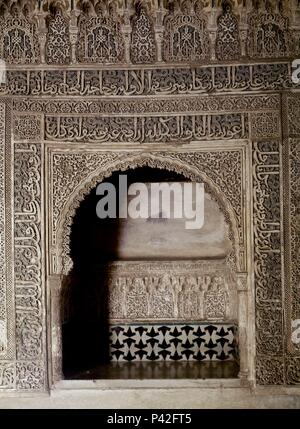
(58, 45)
(142, 49)
(28, 267)
(267, 263)
(295, 228)
(3, 316)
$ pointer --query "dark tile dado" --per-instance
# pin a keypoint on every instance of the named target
(192, 342)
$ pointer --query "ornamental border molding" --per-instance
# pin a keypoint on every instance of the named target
(213, 104)
(291, 116)
(6, 236)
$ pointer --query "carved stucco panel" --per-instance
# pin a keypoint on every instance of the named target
(7, 375)
(265, 125)
(27, 127)
(7, 317)
(29, 284)
(291, 184)
(3, 314)
(268, 262)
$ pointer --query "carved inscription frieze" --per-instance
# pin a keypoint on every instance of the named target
(159, 81)
(146, 129)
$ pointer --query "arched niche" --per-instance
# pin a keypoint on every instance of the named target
(62, 252)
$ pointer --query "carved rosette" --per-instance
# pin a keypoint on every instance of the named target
(27, 127)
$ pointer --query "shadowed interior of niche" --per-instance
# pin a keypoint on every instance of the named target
(97, 243)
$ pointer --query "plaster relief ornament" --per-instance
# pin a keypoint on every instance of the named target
(269, 35)
(228, 40)
(186, 38)
(215, 299)
(58, 46)
(19, 43)
(142, 48)
(99, 37)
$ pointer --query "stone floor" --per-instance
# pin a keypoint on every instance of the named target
(153, 398)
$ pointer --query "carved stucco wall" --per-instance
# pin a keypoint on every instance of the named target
(234, 125)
